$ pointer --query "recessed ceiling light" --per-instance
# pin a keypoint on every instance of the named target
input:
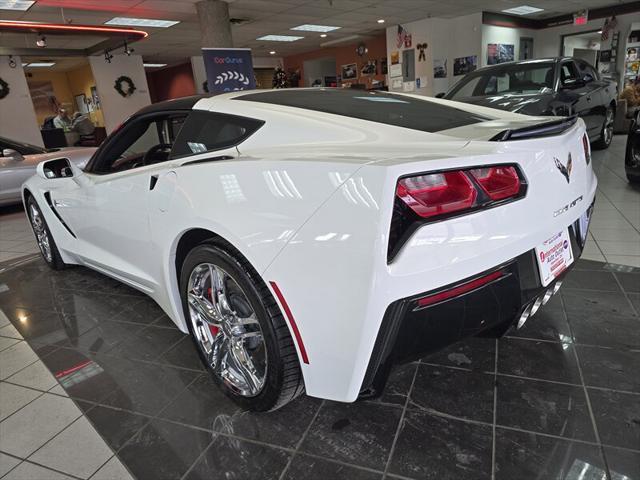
(272, 52)
(381, 20)
(154, 65)
(315, 28)
(280, 38)
(22, 5)
(523, 10)
(141, 22)
(41, 64)
(323, 35)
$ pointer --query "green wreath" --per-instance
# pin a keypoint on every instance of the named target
(4, 89)
(119, 86)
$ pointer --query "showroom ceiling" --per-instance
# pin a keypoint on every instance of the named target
(357, 19)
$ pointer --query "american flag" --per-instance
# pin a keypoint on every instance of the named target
(609, 25)
(402, 36)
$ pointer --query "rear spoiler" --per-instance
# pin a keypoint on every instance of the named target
(546, 129)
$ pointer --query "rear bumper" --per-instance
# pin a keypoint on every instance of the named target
(409, 331)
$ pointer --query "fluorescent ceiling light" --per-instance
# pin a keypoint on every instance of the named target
(141, 22)
(381, 20)
(315, 28)
(154, 65)
(280, 38)
(523, 10)
(22, 5)
(41, 64)
(272, 52)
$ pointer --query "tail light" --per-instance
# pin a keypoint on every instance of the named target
(437, 193)
(460, 289)
(498, 182)
(441, 195)
(587, 148)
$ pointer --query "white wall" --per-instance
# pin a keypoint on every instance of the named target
(115, 107)
(506, 35)
(446, 39)
(17, 116)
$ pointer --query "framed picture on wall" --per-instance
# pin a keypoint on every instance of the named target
(349, 71)
(464, 65)
(369, 69)
(500, 53)
(439, 68)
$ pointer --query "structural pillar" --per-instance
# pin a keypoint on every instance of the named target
(215, 26)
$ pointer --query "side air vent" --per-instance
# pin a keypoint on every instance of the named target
(47, 197)
(546, 129)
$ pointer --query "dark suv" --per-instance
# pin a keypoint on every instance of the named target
(552, 86)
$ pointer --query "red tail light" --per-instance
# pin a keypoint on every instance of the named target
(437, 193)
(587, 148)
(498, 182)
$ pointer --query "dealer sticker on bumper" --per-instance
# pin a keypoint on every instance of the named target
(554, 256)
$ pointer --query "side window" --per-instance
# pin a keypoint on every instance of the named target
(468, 89)
(568, 72)
(143, 141)
(205, 131)
(587, 73)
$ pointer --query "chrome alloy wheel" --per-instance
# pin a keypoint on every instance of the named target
(227, 329)
(608, 127)
(42, 237)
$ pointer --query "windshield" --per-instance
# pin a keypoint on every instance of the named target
(523, 78)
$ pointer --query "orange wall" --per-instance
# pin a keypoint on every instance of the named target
(344, 54)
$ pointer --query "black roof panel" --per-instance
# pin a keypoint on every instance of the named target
(381, 107)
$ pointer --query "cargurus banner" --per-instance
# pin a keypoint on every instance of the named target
(228, 69)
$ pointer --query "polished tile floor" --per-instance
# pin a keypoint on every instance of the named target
(558, 399)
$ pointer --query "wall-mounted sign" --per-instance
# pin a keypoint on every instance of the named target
(581, 17)
(228, 69)
(395, 70)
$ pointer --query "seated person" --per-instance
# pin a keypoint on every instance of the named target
(631, 94)
(62, 120)
(82, 124)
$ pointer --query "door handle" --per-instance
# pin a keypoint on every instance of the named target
(152, 181)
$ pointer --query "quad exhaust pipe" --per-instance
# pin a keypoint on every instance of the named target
(541, 300)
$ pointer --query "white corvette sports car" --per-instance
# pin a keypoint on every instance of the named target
(310, 239)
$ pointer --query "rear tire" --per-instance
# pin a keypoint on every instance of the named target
(606, 133)
(44, 239)
(219, 287)
(634, 179)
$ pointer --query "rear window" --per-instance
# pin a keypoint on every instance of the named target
(380, 107)
(205, 131)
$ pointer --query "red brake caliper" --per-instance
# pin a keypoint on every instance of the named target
(212, 328)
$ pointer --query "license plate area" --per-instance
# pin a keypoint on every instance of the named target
(554, 256)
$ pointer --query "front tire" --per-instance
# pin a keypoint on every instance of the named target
(606, 133)
(238, 329)
(47, 245)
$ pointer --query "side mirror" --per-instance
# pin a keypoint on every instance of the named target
(572, 83)
(440, 95)
(11, 153)
(58, 168)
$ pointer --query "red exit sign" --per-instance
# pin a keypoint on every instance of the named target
(581, 17)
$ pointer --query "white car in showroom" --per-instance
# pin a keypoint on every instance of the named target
(310, 239)
(18, 162)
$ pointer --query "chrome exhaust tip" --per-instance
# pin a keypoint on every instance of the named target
(547, 296)
(536, 305)
(557, 286)
(524, 317)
